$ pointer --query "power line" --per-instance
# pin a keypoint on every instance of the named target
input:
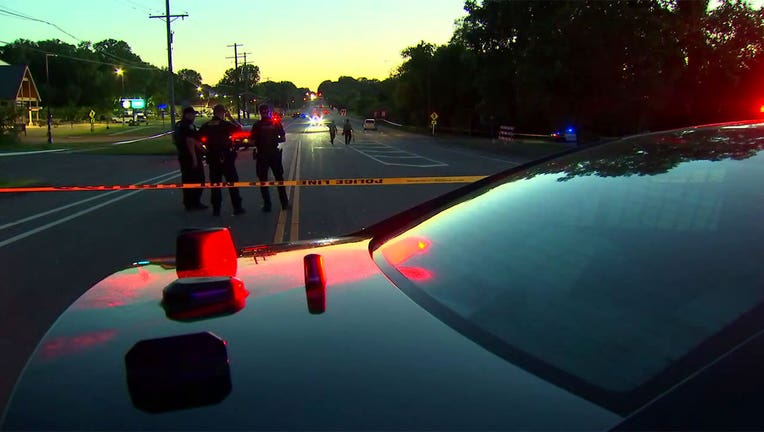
(82, 59)
(148, 67)
(135, 5)
(9, 12)
(122, 61)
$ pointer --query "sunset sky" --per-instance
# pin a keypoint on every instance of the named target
(305, 42)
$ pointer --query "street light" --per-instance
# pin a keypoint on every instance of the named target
(121, 73)
(47, 82)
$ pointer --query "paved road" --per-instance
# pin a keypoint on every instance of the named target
(55, 245)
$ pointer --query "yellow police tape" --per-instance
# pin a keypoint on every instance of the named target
(371, 181)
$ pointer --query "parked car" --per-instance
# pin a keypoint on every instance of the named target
(140, 118)
(567, 135)
(369, 124)
(241, 139)
(615, 287)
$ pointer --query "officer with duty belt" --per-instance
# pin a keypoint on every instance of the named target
(267, 135)
(186, 140)
(221, 156)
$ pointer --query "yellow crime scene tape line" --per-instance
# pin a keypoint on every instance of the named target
(371, 181)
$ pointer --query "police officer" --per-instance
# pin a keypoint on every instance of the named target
(186, 140)
(221, 156)
(347, 131)
(267, 136)
(332, 131)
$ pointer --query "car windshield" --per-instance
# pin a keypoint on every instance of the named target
(610, 272)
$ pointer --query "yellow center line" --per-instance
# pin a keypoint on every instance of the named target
(281, 224)
(294, 232)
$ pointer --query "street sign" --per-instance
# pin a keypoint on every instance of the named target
(433, 122)
(91, 114)
(434, 116)
(134, 103)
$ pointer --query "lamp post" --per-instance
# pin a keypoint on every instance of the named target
(47, 82)
(121, 73)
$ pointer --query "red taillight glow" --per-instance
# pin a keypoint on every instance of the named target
(203, 139)
(239, 135)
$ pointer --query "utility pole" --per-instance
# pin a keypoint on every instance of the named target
(238, 78)
(246, 93)
(47, 82)
(168, 18)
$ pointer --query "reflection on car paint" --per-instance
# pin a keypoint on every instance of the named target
(67, 345)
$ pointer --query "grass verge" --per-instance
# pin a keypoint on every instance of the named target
(5, 183)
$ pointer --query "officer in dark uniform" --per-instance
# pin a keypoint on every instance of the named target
(186, 140)
(221, 156)
(267, 136)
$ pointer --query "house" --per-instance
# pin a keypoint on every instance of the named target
(18, 89)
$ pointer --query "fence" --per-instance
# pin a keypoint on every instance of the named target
(506, 133)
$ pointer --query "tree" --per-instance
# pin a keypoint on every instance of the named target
(187, 84)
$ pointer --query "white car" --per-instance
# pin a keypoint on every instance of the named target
(369, 124)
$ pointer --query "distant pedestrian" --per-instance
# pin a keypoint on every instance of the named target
(221, 156)
(189, 147)
(332, 130)
(347, 131)
(267, 135)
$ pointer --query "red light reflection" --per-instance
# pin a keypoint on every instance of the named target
(67, 345)
(417, 274)
(235, 304)
(403, 250)
(283, 271)
(127, 286)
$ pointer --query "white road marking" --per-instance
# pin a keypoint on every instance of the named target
(131, 129)
(76, 203)
(78, 214)
(380, 147)
(483, 157)
(31, 152)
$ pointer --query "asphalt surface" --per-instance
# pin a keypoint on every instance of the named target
(55, 245)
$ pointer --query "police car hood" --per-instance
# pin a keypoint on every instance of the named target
(371, 359)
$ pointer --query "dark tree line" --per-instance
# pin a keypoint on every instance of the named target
(84, 77)
(605, 67)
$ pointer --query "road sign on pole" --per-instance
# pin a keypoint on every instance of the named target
(434, 116)
(433, 123)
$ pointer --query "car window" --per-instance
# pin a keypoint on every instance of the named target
(598, 276)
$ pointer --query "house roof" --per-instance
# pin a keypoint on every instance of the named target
(10, 80)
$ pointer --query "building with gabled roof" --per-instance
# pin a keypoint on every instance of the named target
(18, 90)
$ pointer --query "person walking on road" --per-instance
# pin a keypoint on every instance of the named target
(267, 135)
(186, 140)
(221, 156)
(332, 131)
(347, 131)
